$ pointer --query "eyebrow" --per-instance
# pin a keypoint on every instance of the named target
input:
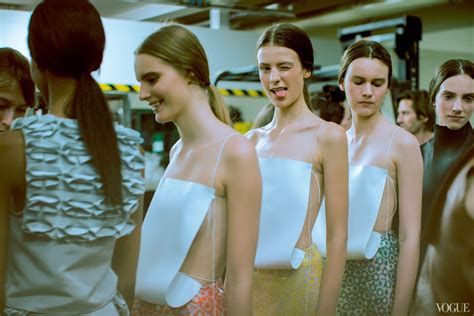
(148, 74)
(279, 64)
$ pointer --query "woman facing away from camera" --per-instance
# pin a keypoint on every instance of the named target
(203, 219)
(70, 182)
(302, 158)
(385, 175)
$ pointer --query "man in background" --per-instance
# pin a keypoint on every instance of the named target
(415, 114)
(17, 90)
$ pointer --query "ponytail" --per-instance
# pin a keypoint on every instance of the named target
(89, 106)
(218, 105)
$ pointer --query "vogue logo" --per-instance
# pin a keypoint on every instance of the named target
(453, 307)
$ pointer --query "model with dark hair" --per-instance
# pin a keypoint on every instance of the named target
(302, 159)
(70, 181)
(203, 219)
(415, 114)
(385, 176)
(17, 89)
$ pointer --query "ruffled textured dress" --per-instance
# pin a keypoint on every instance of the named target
(61, 246)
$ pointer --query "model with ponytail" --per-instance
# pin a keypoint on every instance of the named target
(71, 181)
(203, 219)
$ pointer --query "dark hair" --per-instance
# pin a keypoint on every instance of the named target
(180, 48)
(13, 65)
(420, 104)
(327, 104)
(67, 38)
(294, 38)
(368, 49)
(450, 68)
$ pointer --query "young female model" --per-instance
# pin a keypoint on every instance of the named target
(301, 159)
(70, 182)
(386, 173)
(203, 218)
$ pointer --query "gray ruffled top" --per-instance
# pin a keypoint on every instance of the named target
(61, 247)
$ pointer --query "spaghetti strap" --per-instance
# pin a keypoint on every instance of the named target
(219, 158)
(311, 161)
(388, 219)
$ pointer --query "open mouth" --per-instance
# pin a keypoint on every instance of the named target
(280, 92)
(155, 105)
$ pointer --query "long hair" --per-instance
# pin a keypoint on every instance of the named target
(67, 39)
(294, 38)
(449, 68)
(180, 48)
(368, 49)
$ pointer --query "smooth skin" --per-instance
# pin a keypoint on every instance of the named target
(231, 226)
(291, 134)
(365, 85)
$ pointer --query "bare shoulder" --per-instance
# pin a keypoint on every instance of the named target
(12, 157)
(331, 133)
(239, 148)
(254, 135)
(404, 140)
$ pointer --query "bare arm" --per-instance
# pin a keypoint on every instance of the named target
(12, 178)
(335, 168)
(243, 188)
(125, 260)
(410, 180)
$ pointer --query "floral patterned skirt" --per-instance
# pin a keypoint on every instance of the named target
(289, 292)
(368, 286)
(208, 302)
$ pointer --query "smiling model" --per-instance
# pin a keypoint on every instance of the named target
(302, 158)
(203, 218)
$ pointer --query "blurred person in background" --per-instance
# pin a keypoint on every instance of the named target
(415, 114)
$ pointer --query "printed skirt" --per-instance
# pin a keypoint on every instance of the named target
(208, 302)
(368, 286)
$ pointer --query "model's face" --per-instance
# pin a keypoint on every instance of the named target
(454, 101)
(281, 75)
(407, 118)
(365, 85)
(12, 102)
(162, 86)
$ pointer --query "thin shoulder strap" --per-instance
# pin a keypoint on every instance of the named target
(214, 172)
(389, 147)
(314, 143)
(312, 162)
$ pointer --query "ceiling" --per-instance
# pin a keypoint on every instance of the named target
(241, 14)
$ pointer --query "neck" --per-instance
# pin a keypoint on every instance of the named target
(197, 122)
(59, 91)
(423, 136)
(363, 126)
(291, 114)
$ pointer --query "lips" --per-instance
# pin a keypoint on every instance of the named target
(280, 92)
(155, 105)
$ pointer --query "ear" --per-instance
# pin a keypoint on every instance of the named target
(190, 77)
(341, 86)
(424, 119)
(306, 74)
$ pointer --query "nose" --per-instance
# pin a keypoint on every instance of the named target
(144, 93)
(457, 105)
(399, 119)
(367, 90)
(7, 117)
(274, 75)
